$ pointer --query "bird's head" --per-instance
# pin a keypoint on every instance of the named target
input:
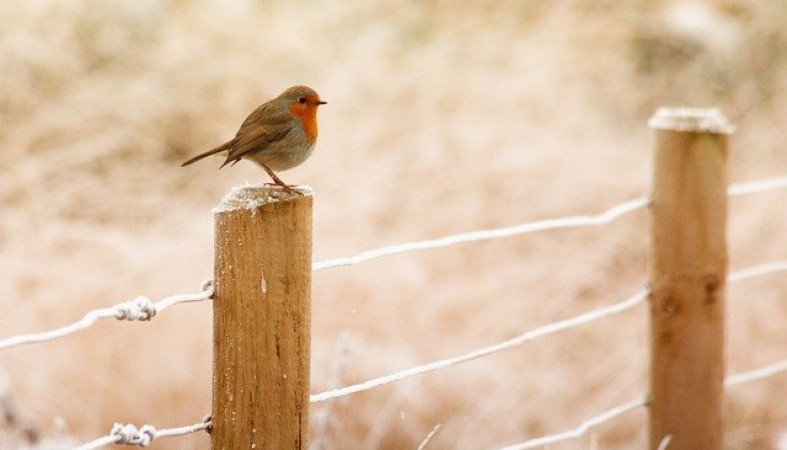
(303, 102)
(302, 97)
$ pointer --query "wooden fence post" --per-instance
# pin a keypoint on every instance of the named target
(688, 273)
(262, 320)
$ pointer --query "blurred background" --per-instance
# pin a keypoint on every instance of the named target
(442, 117)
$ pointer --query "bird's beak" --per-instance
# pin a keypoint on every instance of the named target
(322, 102)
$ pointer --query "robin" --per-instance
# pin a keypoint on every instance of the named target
(279, 135)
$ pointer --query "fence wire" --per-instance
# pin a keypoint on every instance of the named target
(495, 233)
(583, 428)
(752, 187)
(757, 374)
(523, 338)
(615, 308)
(578, 221)
(611, 414)
(755, 271)
(140, 308)
(127, 434)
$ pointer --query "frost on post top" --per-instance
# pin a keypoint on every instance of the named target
(699, 120)
(252, 197)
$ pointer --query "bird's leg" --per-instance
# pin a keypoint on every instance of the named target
(278, 181)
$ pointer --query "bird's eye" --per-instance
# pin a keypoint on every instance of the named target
(302, 100)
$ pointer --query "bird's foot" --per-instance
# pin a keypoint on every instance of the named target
(288, 188)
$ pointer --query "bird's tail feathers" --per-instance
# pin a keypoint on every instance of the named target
(221, 148)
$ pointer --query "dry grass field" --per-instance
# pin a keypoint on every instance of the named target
(442, 117)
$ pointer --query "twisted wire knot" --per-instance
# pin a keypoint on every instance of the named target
(128, 434)
(141, 308)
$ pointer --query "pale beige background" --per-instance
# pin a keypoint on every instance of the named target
(443, 117)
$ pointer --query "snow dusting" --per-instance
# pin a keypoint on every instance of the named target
(710, 120)
(252, 197)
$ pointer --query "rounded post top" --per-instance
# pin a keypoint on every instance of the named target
(252, 197)
(698, 120)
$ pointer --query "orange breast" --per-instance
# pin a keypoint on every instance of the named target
(307, 114)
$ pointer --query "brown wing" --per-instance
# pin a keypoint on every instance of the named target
(264, 125)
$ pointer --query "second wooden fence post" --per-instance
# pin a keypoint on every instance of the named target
(261, 309)
(688, 273)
